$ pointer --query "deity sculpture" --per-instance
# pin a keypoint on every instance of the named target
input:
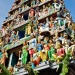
(24, 53)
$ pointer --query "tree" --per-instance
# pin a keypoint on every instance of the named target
(4, 71)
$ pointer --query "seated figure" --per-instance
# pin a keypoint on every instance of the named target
(28, 29)
(11, 70)
(31, 52)
(60, 51)
(51, 53)
(39, 45)
(44, 55)
(36, 58)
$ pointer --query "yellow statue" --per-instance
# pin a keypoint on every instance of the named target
(42, 1)
(28, 29)
(44, 55)
(60, 52)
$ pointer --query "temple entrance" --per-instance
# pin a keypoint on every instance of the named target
(13, 59)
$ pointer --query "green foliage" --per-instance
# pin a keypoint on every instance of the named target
(65, 67)
(4, 71)
(30, 70)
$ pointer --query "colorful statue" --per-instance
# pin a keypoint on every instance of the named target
(60, 54)
(51, 23)
(28, 29)
(4, 57)
(56, 5)
(37, 2)
(39, 45)
(47, 22)
(50, 9)
(44, 9)
(46, 47)
(51, 54)
(24, 53)
(23, 8)
(50, 43)
(18, 63)
(33, 3)
(44, 55)
(31, 52)
(60, 51)
(11, 70)
(32, 42)
(46, 40)
(31, 13)
(36, 58)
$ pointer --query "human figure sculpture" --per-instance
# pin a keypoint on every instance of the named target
(31, 52)
(60, 51)
(24, 53)
(46, 40)
(51, 23)
(47, 23)
(46, 47)
(28, 29)
(4, 57)
(33, 3)
(31, 13)
(37, 2)
(44, 55)
(11, 70)
(32, 42)
(36, 58)
(23, 8)
(39, 45)
(51, 54)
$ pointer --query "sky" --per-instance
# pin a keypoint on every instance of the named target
(5, 6)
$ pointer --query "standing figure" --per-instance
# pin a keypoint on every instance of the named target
(4, 57)
(36, 58)
(44, 55)
(51, 54)
(24, 53)
(28, 29)
(32, 42)
(51, 23)
(31, 52)
(47, 23)
(60, 51)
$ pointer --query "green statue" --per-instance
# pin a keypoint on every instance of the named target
(24, 53)
(51, 52)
